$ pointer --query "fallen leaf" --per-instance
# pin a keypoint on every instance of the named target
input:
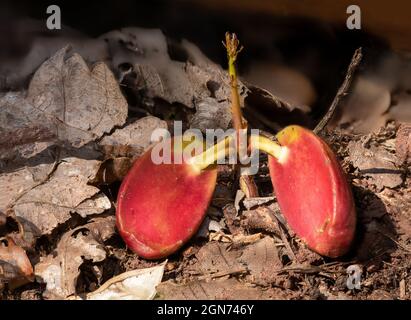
(20, 175)
(113, 169)
(47, 205)
(226, 289)
(215, 257)
(262, 260)
(210, 114)
(132, 140)
(376, 163)
(138, 284)
(85, 103)
(259, 259)
(60, 269)
(15, 266)
(195, 81)
(22, 123)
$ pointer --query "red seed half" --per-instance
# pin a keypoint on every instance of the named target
(313, 193)
(160, 206)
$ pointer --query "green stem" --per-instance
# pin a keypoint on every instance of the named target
(268, 146)
(211, 155)
(232, 46)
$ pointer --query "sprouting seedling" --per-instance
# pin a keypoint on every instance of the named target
(311, 188)
(160, 206)
(232, 45)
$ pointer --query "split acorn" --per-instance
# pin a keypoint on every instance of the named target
(161, 206)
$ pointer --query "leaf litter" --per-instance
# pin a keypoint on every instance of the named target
(69, 139)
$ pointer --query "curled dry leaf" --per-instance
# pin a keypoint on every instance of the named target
(49, 204)
(261, 218)
(113, 169)
(60, 269)
(376, 163)
(138, 284)
(15, 266)
(124, 145)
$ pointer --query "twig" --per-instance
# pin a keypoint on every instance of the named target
(283, 236)
(342, 91)
(222, 274)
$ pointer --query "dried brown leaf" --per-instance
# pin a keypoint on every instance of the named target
(15, 266)
(258, 258)
(60, 269)
(132, 140)
(227, 289)
(49, 204)
(260, 218)
(215, 257)
(195, 81)
(21, 123)
(19, 176)
(262, 260)
(84, 103)
(376, 163)
(65, 101)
